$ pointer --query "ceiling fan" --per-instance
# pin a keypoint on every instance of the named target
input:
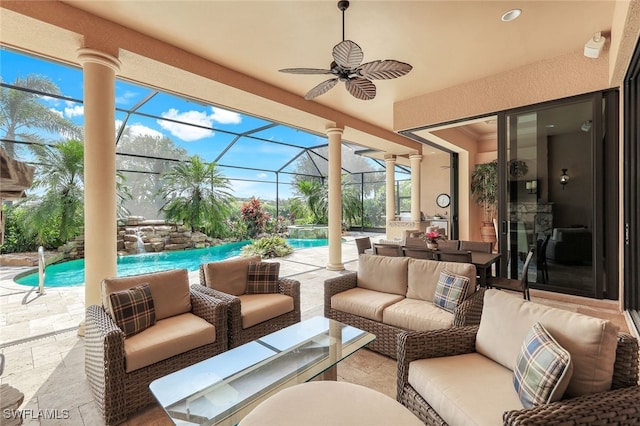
(347, 66)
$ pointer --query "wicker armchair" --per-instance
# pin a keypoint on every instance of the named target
(118, 392)
(237, 333)
(617, 406)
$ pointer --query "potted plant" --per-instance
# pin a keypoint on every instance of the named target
(432, 239)
(484, 190)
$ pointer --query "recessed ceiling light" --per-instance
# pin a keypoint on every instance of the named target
(550, 126)
(511, 15)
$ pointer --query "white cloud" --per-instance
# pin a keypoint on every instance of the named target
(225, 117)
(74, 111)
(56, 111)
(190, 133)
(139, 130)
(125, 98)
(261, 175)
(187, 133)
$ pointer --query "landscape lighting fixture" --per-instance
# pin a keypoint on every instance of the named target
(594, 46)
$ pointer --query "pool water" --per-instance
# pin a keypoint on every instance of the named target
(71, 273)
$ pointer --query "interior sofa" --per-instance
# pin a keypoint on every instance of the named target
(392, 294)
(571, 246)
(525, 364)
(254, 310)
(147, 326)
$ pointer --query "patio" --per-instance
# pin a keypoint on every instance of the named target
(44, 357)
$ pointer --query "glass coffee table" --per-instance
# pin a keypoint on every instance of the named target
(223, 389)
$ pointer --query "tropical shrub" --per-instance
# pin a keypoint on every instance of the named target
(254, 216)
(268, 247)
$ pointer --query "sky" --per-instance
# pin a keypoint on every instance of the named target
(199, 139)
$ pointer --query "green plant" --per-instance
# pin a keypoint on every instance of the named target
(268, 247)
(316, 197)
(196, 193)
(255, 216)
(484, 188)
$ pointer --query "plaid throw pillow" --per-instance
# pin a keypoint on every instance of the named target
(263, 277)
(450, 291)
(543, 369)
(133, 309)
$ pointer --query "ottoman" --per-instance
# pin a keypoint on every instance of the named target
(328, 403)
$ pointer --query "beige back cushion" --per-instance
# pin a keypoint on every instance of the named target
(169, 289)
(383, 273)
(591, 341)
(423, 276)
(229, 276)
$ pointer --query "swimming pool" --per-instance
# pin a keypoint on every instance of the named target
(71, 273)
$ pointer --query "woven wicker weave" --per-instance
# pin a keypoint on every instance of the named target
(620, 406)
(236, 334)
(467, 313)
(118, 393)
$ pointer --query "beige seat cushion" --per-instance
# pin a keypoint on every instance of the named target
(467, 389)
(168, 337)
(364, 303)
(169, 289)
(412, 314)
(229, 276)
(383, 273)
(257, 308)
(592, 342)
(326, 403)
(423, 276)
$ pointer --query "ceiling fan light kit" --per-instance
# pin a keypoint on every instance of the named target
(347, 67)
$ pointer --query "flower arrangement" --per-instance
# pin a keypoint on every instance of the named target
(433, 237)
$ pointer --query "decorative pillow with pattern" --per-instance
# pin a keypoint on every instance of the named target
(450, 291)
(263, 277)
(133, 309)
(543, 368)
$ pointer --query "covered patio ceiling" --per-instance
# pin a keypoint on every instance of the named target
(228, 53)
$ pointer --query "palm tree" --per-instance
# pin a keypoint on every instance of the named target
(316, 196)
(59, 174)
(21, 113)
(197, 194)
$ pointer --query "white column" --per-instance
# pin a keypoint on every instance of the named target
(415, 186)
(335, 198)
(390, 164)
(100, 228)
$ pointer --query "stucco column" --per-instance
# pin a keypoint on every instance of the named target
(100, 226)
(390, 165)
(335, 198)
(415, 159)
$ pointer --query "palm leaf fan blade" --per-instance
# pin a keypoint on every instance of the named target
(361, 88)
(305, 71)
(384, 70)
(321, 88)
(347, 54)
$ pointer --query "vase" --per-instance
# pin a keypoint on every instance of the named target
(432, 246)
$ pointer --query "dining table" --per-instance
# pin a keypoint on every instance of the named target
(481, 260)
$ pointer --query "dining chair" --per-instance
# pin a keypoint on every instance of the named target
(453, 256)
(394, 250)
(418, 253)
(541, 258)
(448, 245)
(415, 242)
(362, 244)
(485, 247)
(521, 285)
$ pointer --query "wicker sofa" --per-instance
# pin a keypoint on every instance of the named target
(392, 294)
(189, 327)
(466, 375)
(250, 316)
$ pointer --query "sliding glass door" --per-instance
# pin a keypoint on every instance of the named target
(552, 178)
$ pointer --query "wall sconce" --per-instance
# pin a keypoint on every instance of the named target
(532, 186)
(564, 179)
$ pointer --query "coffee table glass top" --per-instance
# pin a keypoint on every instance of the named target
(222, 389)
